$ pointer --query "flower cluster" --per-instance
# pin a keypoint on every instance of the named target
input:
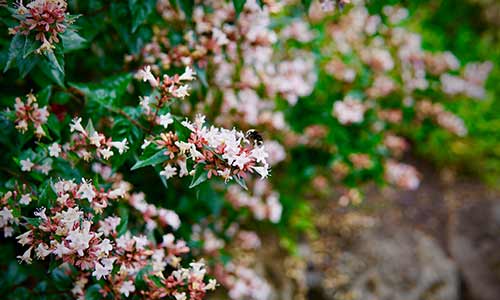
(103, 250)
(45, 19)
(88, 143)
(263, 202)
(29, 113)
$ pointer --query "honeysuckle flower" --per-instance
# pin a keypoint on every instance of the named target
(169, 171)
(26, 165)
(45, 168)
(188, 74)
(120, 146)
(26, 257)
(106, 153)
(180, 92)
(25, 238)
(86, 191)
(145, 144)
(146, 75)
(127, 287)
(165, 120)
(95, 139)
(77, 126)
(42, 251)
(25, 199)
(79, 238)
(54, 150)
(100, 271)
(60, 249)
(349, 111)
(180, 296)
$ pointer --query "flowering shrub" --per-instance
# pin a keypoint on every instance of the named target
(139, 162)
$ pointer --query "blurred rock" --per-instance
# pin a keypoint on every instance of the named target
(474, 243)
(391, 264)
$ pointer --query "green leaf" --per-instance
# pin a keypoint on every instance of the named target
(307, 4)
(239, 180)
(109, 93)
(157, 158)
(61, 279)
(33, 221)
(43, 96)
(72, 41)
(199, 176)
(92, 293)
(202, 75)
(53, 67)
(15, 50)
(187, 7)
(29, 47)
(54, 61)
(123, 212)
(238, 6)
(140, 9)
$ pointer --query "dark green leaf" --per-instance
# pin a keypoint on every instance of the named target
(157, 158)
(72, 41)
(140, 9)
(33, 221)
(307, 4)
(15, 50)
(92, 293)
(199, 176)
(238, 6)
(53, 67)
(241, 182)
(123, 212)
(187, 7)
(109, 93)
(44, 95)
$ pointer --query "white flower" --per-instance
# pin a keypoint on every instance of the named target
(61, 249)
(241, 160)
(140, 241)
(26, 257)
(145, 144)
(95, 139)
(146, 75)
(180, 92)
(188, 74)
(259, 154)
(100, 271)
(120, 146)
(169, 171)
(5, 216)
(77, 126)
(180, 296)
(42, 251)
(45, 168)
(106, 153)
(183, 168)
(166, 120)
(80, 238)
(104, 247)
(262, 171)
(25, 238)
(54, 150)
(25, 199)
(349, 111)
(86, 191)
(26, 165)
(170, 217)
(108, 263)
(127, 287)
(211, 284)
